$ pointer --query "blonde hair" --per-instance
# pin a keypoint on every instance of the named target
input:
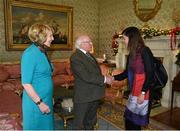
(38, 33)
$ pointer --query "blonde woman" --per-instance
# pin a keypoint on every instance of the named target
(36, 74)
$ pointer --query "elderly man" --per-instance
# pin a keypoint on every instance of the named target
(89, 84)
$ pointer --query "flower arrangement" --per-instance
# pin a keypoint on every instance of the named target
(115, 44)
(148, 32)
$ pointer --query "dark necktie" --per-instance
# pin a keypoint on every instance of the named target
(90, 56)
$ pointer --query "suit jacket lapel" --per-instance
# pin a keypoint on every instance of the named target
(87, 58)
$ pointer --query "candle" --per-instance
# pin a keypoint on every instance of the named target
(104, 56)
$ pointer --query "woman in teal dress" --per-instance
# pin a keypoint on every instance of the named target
(36, 76)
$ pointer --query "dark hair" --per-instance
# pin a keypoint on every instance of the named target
(136, 42)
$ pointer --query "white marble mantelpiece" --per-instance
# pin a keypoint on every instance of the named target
(160, 47)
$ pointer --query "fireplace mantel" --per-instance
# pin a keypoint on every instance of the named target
(160, 47)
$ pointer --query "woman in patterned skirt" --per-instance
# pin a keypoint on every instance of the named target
(139, 71)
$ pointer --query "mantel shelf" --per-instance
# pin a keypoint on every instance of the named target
(158, 38)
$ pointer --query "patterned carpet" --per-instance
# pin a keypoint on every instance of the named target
(115, 117)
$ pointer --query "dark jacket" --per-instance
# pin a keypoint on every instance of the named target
(89, 82)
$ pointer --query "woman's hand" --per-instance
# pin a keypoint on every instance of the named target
(44, 108)
(140, 99)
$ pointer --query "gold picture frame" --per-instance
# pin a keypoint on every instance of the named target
(146, 13)
(21, 14)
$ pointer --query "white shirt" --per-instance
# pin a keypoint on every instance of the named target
(83, 51)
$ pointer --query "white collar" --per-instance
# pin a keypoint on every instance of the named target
(83, 51)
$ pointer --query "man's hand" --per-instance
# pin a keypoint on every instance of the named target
(109, 79)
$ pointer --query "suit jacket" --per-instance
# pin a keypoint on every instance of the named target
(89, 82)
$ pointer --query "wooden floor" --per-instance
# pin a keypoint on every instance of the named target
(169, 118)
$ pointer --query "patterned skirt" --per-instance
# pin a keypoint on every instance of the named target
(137, 113)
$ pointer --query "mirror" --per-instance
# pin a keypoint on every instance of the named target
(146, 9)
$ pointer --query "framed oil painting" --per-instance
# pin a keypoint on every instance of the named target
(20, 15)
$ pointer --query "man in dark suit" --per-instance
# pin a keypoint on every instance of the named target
(89, 84)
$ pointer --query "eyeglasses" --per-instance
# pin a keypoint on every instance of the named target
(90, 42)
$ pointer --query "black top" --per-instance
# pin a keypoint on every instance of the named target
(147, 58)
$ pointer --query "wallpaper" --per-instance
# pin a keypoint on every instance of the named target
(115, 15)
(100, 19)
(85, 21)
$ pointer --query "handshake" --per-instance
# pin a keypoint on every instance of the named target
(109, 79)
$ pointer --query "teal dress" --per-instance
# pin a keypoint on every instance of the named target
(35, 70)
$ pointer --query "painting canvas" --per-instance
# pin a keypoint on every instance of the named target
(20, 15)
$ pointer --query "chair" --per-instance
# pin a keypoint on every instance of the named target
(105, 70)
(114, 93)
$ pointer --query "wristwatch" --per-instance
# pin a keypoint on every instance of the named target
(143, 93)
(39, 102)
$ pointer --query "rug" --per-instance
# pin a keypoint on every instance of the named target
(59, 125)
(102, 124)
(115, 117)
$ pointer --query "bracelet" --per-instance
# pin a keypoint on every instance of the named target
(39, 102)
(143, 93)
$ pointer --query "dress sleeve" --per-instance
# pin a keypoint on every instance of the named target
(147, 57)
(121, 76)
(27, 67)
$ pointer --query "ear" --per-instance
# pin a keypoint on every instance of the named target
(42, 36)
(92, 51)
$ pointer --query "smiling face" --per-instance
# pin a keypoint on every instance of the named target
(49, 38)
(86, 44)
